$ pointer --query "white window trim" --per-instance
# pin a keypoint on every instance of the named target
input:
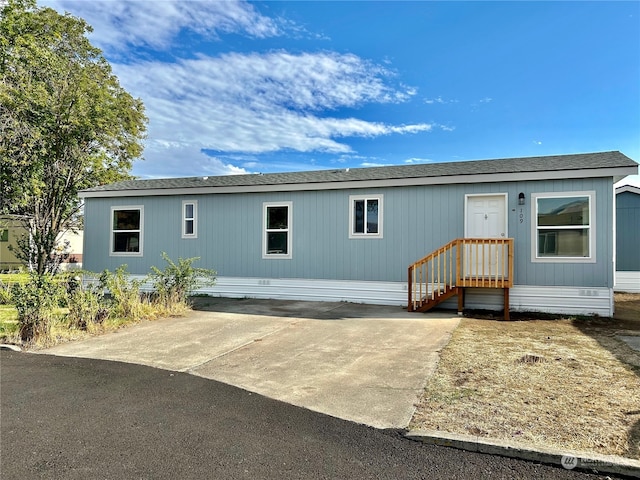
(591, 258)
(352, 200)
(195, 219)
(289, 231)
(112, 231)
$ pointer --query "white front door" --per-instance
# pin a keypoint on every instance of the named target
(485, 217)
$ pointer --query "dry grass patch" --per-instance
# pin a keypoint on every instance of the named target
(628, 308)
(560, 383)
(62, 332)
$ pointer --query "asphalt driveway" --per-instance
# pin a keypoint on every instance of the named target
(362, 363)
(75, 418)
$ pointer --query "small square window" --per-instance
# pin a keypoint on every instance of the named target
(365, 216)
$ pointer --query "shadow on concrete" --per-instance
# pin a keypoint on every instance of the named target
(309, 310)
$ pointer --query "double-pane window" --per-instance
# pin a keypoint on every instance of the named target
(564, 226)
(277, 231)
(365, 216)
(126, 230)
(189, 218)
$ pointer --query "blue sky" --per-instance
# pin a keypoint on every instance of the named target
(242, 87)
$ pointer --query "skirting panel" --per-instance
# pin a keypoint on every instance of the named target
(564, 300)
(627, 282)
(377, 293)
(523, 298)
(569, 300)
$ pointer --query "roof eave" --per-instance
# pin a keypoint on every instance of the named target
(614, 172)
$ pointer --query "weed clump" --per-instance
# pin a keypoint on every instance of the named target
(70, 303)
(87, 306)
(125, 299)
(37, 302)
(173, 285)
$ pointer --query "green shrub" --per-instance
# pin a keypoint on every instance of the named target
(125, 300)
(177, 281)
(36, 302)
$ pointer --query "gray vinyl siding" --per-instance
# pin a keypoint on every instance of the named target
(597, 274)
(628, 232)
(416, 220)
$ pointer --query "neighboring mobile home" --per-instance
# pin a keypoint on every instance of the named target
(351, 234)
(12, 228)
(628, 239)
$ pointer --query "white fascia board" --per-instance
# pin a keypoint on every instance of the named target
(355, 184)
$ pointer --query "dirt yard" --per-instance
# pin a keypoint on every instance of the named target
(565, 383)
(628, 310)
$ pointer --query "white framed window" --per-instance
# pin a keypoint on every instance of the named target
(277, 230)
(563, 227)
(126, 230)
(365, 216)
(190, 219)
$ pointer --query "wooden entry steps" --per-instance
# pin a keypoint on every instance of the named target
(460, 264)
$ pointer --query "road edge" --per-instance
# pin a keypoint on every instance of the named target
(566, 458)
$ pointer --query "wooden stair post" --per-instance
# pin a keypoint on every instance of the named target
(506, 304)
(460, 300)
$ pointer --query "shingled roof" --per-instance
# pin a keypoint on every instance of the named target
(555, 163)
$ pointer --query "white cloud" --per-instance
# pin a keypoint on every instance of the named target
(234, 103)
(350, 158)
(375, 164)
(417, 160)
(261, 103)
(480, 102)
(118, 23)
(175, 159)
(440, 100)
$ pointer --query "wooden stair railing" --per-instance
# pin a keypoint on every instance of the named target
(461, 263)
